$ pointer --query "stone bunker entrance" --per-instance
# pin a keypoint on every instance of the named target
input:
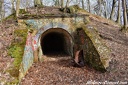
(61, 34)
(56, 41)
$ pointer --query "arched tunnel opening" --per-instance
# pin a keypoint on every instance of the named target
(53, 43)
(56, 41)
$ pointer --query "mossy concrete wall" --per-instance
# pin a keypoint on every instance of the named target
(95, 52)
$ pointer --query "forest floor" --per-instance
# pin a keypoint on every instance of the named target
(6, 36)
(59, 70)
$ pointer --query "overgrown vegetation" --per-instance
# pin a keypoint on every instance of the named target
(16, 50)
(12, 16)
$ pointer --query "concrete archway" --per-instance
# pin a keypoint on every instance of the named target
(56, 40)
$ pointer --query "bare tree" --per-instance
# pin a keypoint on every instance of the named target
(27, 3)
(127, 8)
(57, 2)
(2, 10)
(88, 4)
(119, 11)
(82, 4)
(62, 3)
(17, 7)
(99, 3)
(105, 8)
(13, 7)
(124, 13)
(67, 4)
(113, 7)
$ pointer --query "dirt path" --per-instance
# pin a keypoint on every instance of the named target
(55, 70)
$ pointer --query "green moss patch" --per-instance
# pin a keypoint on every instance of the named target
(12, 16)
(22, 11)
(16, 50)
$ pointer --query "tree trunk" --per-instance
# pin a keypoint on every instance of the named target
(105, 8)
(88, 4)
(124, 14)
(119, 12)
(83, 4)
(67, 4)
(127, 8)
(57, 3)
(17, 7)
(99, 3)
(13, 8)
(0, 7)
(113, 7)
(62, 3)
(27, 4)
(2, 10)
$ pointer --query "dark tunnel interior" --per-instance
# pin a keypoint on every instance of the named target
(53, 43)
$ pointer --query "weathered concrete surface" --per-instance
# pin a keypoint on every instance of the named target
(96, 54)
(33, 40)
(99, 49)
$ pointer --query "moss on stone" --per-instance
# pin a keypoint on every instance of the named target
(96, 54)
(71, 9)
(100, 51)
(74, 8)
(12, 16)
(16, 50)
(22, 11)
